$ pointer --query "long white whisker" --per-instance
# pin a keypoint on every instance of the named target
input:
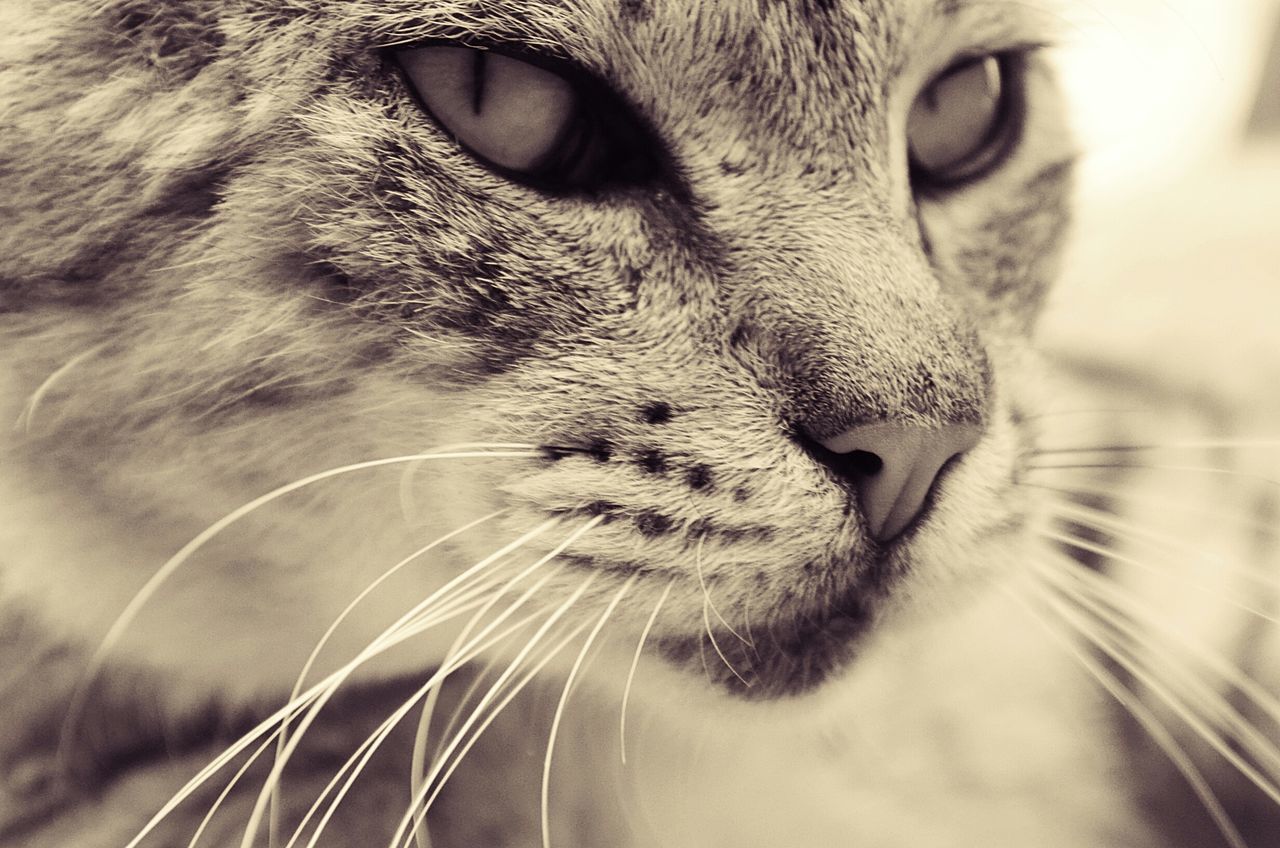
(707, 621)
(226, 790)
(635, 663)
(465, 702)
(564, 700)
(355, 765)
(418, 797)
(1093, 592)
(1116, 652)
(267, 726)
(1101, 520)
(697, 561)
(706, 625)
(405, 628)
(407, 501)
(333, 627)
(513, 691)
(1081, 544)
(1142, 466)
(419, 761)
(1128, 495)
(79, 697)
(277, 721)
(28, 414)
(409, 624)
(1190, 444)
(1157, 731)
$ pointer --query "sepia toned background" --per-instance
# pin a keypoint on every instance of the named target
(1176, 258)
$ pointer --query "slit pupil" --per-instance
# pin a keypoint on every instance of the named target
(478, 76)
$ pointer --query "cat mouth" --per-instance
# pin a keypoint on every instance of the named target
(789, 654)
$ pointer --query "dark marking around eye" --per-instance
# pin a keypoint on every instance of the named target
(656, 413)
(653, 462)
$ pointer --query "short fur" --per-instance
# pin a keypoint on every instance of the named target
(236, 253)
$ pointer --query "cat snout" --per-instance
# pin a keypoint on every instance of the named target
(893, 467)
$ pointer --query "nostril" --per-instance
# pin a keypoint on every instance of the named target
(893, 467)
(853, 465)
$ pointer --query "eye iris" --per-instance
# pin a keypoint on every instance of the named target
(510, 113)
(956, 129)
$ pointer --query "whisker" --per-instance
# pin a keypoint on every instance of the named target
(228, 789)
(1101, 520)
(418, 797)
(1203, 444)
(1126, 660)
(327, 685)
(708, 605)
(268, 726)
(404, 629)
(357, 762)
(635, 663)
(1120, 612)
(706, 593)
(93, 668)
(1127, 494)
(408, 505)
(1112, 595)
(564, 700)
(337, 622)
(1149, 722)
(1081, 544)
(330, 684)
(468, 697)
(28, 414)
(1142, 466)
(401, 630)
(513, 691)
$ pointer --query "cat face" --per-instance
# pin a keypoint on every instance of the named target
(255, 244)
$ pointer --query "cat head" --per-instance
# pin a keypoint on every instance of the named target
(754, 282)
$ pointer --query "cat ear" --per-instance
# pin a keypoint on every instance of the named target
(510, 113)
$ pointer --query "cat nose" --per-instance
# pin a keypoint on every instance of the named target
(893, 467)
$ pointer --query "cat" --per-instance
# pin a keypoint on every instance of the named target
(367, 359)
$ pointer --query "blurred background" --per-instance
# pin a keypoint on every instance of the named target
(1175, 264)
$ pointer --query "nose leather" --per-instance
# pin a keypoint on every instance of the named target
(910, 459)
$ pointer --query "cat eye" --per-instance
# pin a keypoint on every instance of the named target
(537, 122)
(966, 121)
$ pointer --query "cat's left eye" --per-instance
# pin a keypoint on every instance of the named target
(531, 120)
(966, 121)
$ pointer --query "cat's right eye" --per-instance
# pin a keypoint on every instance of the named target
(532, 120)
